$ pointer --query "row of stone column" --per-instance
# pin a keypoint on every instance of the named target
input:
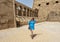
(24, 11)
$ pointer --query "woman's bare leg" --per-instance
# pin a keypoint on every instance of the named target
(32, 32)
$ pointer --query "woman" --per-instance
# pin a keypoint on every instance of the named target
(32, 25)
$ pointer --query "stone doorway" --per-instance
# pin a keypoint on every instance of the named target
(17, 23)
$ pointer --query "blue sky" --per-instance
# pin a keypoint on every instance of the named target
(28, 3)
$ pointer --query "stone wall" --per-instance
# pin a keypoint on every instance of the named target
(53, 16)
(45, 7)
(7, 14)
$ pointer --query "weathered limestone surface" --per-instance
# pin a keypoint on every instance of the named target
(45, 10)
(7, 14)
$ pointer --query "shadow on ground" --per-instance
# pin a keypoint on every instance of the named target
(34, 35)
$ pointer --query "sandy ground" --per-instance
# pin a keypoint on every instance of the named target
(46, 32)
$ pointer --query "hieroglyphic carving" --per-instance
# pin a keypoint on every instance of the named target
(53, 16)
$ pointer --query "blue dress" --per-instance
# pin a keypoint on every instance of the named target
(31, 24)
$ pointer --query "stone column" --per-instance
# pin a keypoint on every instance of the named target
(32, 14)
(22, 10)
(29, 13)
(7, 14)
(26, 12)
